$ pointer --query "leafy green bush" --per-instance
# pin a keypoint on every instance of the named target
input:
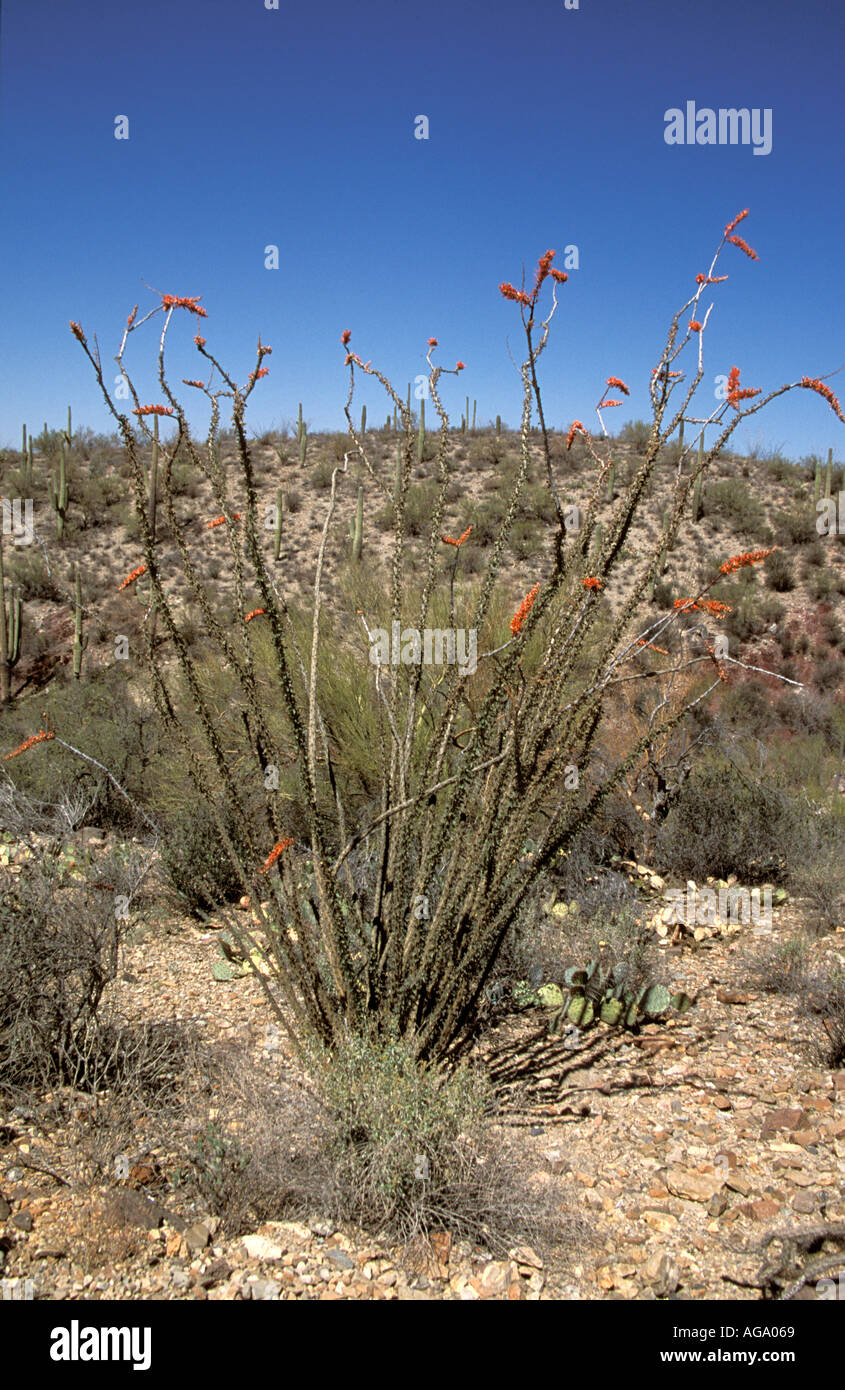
(196, 861)
(725, 823)
(735, 503)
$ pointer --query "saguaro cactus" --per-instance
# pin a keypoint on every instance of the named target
(828, 479)
(817, 481)
(80, 641)
(363, 419)
(59, 492)
(10, 633)
(498, 424)
(611, 482)
(421, 435)
(356, 527)
(69, 431)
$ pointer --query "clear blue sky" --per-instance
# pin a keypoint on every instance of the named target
(251, 126)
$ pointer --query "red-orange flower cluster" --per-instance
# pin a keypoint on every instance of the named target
(606, 403)
(345, 336)
(153, 410)
(449, 540)
(705, 605)
(277, 849)
(200, 342)
(641, 642)
(199, 384)
(459, 366)
(432, 342)
(218, 521)
(130, 578)
(29, 743)
(735, 393)
(591, 583)
(575, 428)
(192, 303)
(511, 292)
(618, 385)
(255, 613)
(259, 373)
(695, 326)
(523, 610)
(710, 279)
(544, 268)
(743, 246)
(739, 218)
(813, 384)
(739, 562)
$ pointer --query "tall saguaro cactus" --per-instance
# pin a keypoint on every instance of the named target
(828, 477)
(10, 632)
(59, 492)
(356, 527)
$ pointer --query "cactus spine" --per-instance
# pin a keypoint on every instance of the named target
(80, 642)
(10, 633)
(59, 492)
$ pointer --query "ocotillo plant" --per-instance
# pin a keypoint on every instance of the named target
(11, 620)
(59, 492)
(385, 907)
(696, 489)
(80, 640)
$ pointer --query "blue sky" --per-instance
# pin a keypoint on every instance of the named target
(251, 127)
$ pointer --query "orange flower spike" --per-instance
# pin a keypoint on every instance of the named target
(575, 428)
(523, 610)
(591, 583)
(200, 342)
(710, 279)
(559, 275)
(432, 342)
(175, 301)
(199, 384)
(739, 562)
(76, 330)
(813, 384)
(743, 246)
(29, 743)
(345, 336)
(510, 292)
(130, 578)
(618, 385)
(695, 326)
(449, 540)
(604, 404)
(641, 642)
(153, 410)
(740, 217)
(460, 366)
(218, 521)
(256, 613)
(278, 849)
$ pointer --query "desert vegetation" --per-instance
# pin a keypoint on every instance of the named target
(415, 721)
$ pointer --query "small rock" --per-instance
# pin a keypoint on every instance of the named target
(179, 1277)
(321, 1227)
(197, 1237)
(694, 1187)
(524, 1255)
(23, 1220)
(661, 1271)
(777, 1120)
(264, 1290)
(338, 1258)
(5, 1209)
(496, 1278)
(135, 1209)
(804, 1203)
(262, 1248)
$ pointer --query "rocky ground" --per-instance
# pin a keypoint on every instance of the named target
(670, 1153)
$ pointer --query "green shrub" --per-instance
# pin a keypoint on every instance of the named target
(796, 528)
(724, 823)
(732, 501)
(780, 572)
(196, 861)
